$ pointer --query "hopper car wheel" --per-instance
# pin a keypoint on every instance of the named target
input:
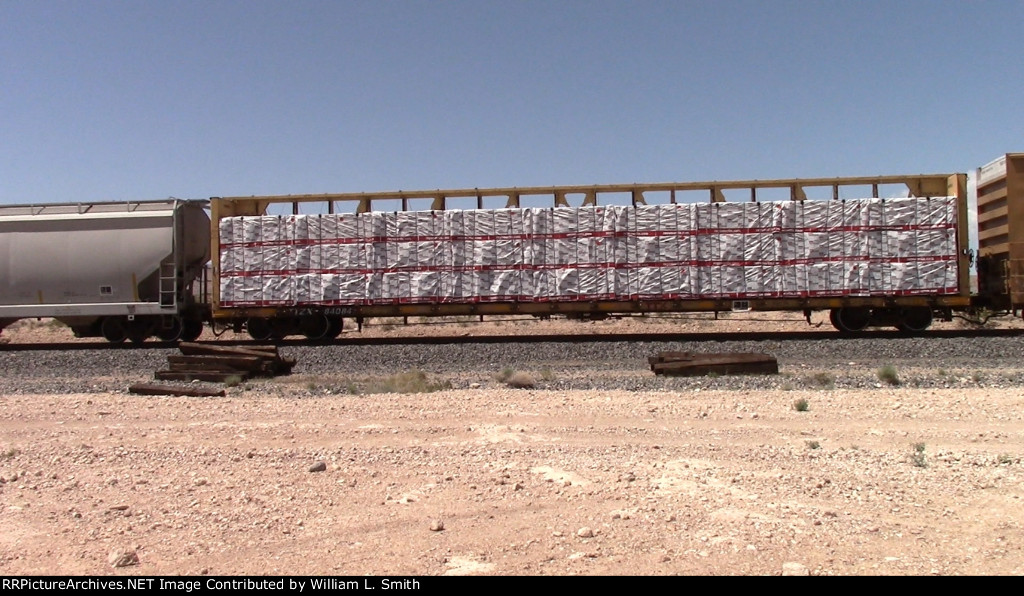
(192, 330)
(113, 330)
(171, 333)
(315, 327)
(139, 329)
(850, 320)
(259, 329)
(915, 320)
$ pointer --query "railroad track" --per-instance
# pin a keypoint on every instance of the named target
(538, 338)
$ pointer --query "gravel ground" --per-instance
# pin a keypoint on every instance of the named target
(849, 363)
(600, 468)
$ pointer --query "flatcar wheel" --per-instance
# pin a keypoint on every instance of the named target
(259, 329)
(315, 327)
(850, 320)
(192, 330)
(335, 329)
(282, 327)
(172, 332)
(113, 330)
(915, 320)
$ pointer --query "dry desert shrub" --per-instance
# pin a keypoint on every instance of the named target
(888, 374)
(521, 380)
(413, 381)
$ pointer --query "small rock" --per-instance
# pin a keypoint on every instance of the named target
(474, 385)
(436, 525)
(318, 467)
(123, 557)
(585, 532)
(792, 568)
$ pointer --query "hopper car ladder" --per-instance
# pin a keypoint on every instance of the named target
(168, 285)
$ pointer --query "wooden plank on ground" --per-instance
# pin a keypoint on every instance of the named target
(208, 367)
(154, 389)
(194, 349)
(200, 375)
(224, 363)
(228, 360)
(687, 365)
(670, 357)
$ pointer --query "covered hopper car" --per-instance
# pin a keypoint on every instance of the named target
(301, 265)
(116, 270)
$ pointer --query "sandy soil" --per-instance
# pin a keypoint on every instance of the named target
(494, 480)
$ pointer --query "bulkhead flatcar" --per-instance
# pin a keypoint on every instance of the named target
(871, 261)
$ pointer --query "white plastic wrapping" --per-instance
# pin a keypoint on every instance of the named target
(685, 251)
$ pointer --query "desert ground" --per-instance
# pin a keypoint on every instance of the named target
(592, 468)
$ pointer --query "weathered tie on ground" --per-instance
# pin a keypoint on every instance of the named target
(687, 364)
(205, 362)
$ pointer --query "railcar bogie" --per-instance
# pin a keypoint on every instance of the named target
(909, 319)
(314, 327)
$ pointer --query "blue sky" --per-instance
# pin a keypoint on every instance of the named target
(117, 100)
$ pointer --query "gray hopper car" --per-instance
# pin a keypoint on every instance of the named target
(116, 270)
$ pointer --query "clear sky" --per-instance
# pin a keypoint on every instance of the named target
(117, 100)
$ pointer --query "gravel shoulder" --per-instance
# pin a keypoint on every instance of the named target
(600, 468)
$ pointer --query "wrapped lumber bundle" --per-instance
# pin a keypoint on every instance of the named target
(683, 251)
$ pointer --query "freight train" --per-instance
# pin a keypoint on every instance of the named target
(166, 268)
